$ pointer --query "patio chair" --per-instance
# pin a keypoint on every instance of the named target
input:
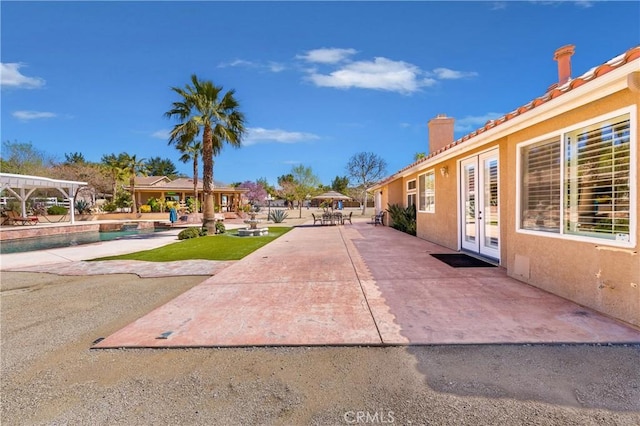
(14, 219)
(315, 219)
(378, 219)
(347, 218)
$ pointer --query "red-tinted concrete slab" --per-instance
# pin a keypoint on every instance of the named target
(363, 285)
(299, 290)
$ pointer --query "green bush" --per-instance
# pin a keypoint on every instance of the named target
(278, 216)
(189, 233)
(220, 228)
(82, 207)
(109, 207)
(57, 210)
(404, 219)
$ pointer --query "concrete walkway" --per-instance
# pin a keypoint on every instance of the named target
(362, 285)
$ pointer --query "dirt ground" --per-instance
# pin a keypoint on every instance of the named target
(51, 376)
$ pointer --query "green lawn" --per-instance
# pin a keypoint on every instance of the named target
(227, 246)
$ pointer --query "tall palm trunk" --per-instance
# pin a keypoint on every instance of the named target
(209, 221)
(134, 205)
(195, 180)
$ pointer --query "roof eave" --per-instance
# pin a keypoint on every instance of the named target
(598, 88)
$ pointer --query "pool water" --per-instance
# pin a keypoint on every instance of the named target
(70, 240)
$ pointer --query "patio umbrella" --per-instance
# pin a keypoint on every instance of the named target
(332, 196)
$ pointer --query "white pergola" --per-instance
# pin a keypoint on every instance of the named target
(22, 186)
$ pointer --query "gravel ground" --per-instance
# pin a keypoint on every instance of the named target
(50, 375)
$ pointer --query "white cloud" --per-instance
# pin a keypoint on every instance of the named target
(580, 3)
(32, 115)
(499, 5)
(474, 122)
(270, 66)
(379, 74)
(327, 55)
(276, 67)
(161, 134)
(259, 135)
(447, 74)
(10, 76)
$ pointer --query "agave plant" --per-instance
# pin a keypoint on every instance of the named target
(82, 206)
(404, 219)
(278, 216)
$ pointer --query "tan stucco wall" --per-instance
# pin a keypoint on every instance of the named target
(441, 227)
(596, 275)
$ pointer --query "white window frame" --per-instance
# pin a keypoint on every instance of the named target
(633, 178)
(429, 207)
(412, 192)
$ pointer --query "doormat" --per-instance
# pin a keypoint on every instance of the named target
(461, 260)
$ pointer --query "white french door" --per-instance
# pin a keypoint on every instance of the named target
(480, 221)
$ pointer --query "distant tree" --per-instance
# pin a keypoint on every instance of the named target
(340, 184)
(287, 188)
(271, 190)
(305, 183)
(419, 156)
(116, 168)
(74, 158)
(23, 158)
(134, 166)
(256, 194)
(157, 166)
(366, 168)
(191, 150)
(203, 107)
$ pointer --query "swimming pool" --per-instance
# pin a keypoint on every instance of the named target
(70, 240)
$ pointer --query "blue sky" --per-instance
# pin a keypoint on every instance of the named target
(317, 81)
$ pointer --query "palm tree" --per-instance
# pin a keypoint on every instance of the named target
(134, 166)
(116, 168)
(190, 152)
(203, 107)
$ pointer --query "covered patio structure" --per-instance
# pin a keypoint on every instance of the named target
(23, 186)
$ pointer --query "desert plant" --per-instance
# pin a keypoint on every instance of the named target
(404, 219)
(57, 210)
(220, 228)
(278, 216)
(82, 207)
(188, 233)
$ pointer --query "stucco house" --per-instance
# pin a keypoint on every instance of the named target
(549, 191)
(227, 198)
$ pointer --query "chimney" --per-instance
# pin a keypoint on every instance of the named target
(563, 56)
(440, 132)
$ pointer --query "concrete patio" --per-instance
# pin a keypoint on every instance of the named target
(362, 285)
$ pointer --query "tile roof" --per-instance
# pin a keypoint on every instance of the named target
(553, 92)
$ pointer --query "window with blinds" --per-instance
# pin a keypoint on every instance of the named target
(427, 192)
(579, 184)
(597, 174)
(540, 196)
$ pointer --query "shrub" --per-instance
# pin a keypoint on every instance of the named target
(278, 216)
(57, 210)
(154, 204)
(404, 219)
(109, 207)
(220, 228)
(145, 208)
(82, 207)
(193, 205)
(188, 233)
